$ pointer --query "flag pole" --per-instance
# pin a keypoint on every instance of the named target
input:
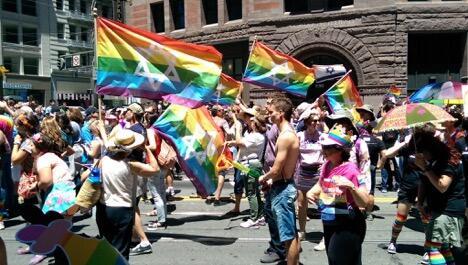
(95, 61)
(250, 55)
(337, 82)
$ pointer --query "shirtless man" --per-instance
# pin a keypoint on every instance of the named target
(280, 178)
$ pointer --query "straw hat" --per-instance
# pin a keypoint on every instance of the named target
(127, 139)
(366, 108)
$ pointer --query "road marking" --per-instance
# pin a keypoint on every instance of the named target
(198, 213)
(188, 198)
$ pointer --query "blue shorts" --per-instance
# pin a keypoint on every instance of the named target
(283, 195)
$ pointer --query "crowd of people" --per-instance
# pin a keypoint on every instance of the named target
(298, 157)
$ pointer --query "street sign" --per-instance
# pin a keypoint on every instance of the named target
(76, 60)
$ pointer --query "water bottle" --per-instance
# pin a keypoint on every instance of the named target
(95, 176)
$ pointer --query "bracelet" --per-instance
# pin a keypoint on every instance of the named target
(16, 143)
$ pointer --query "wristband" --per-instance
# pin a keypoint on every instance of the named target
(16, 143)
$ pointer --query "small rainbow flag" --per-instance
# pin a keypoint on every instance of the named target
(227, 91)
(134, 62)
(198, 141)
(343, 94)
(394, 90)
(272, 69)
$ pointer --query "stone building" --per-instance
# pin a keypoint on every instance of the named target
(384, 42)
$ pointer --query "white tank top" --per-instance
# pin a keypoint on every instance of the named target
(118, 183)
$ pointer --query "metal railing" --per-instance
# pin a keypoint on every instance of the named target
(80, 44)
(80, 16)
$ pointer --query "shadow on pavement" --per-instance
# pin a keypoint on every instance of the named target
(205, 217)
(78, 228)
(314, 237)
(205, 240)
(405, 248)
(14, 222)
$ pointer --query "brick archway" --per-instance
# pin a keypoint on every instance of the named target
(334, 41)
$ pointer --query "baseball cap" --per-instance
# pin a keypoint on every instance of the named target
(136, 108)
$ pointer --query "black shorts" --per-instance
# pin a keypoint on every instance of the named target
(409, 187)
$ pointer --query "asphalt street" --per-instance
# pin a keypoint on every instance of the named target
(199, 233)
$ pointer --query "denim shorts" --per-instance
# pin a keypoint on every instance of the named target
(283, 196)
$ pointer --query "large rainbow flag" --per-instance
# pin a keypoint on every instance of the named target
(343, 94)
(272, 69)
(227, 91)
(139, 63)
(198, 141)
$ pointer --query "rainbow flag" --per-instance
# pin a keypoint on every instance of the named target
(227, 91)
(134, 62)
(343, 94)
(394, 90)
(198, 141)
(272, 69)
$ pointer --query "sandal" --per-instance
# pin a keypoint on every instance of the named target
(37, 259)
(156, 225)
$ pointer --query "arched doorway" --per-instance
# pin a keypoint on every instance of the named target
(321, 56)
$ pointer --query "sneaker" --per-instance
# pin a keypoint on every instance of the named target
(391, 248)
(249, 224)
(425, 258)
(261, 221)
(2, 225)
(384, 190)
(270, 257)
(301, 236)
(370, 217)
(320, 246)
(138, 250)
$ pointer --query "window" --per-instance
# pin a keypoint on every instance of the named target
(71, 5)
(59, 4)
(30, 36)
(306, 6)
(61, 60)
(28, 7)
(445, 63)
(178, 14)
(84, 59)
(157, 12)
(234, 9)
(10, 34)
(72, 32)
(106, 12)
(60, 31)
(83, 7)
(210, 10)
(9, 5)
(233, 67)
(31, 66)
(84, 34)
(11, 64)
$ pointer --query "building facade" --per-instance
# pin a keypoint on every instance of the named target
(383, 42)
(48, 48)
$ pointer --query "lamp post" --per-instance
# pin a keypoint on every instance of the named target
(3, 70)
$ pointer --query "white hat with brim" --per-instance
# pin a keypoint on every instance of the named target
(302, 108)
(127, 139)
(309, 112)
(251, 111)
